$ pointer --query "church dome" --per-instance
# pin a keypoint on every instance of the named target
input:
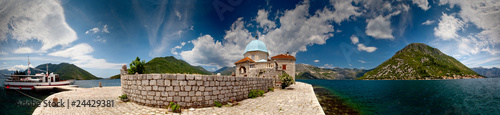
(256, 45)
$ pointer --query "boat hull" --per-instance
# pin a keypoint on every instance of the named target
(30, 85)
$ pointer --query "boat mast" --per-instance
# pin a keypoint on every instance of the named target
(29, 71)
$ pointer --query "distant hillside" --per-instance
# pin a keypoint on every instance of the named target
(65, 70)
(306, 71)
(420, 61)
(117, 76)
(489, 73)
(225, 70)
(172, 65)
(5, 71)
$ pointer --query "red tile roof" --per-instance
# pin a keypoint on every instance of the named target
(283, 56)
(245, 60)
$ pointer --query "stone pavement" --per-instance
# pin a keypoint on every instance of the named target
(298, 100)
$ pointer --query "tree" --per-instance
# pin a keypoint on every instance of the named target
(286, 80)
(137, 66)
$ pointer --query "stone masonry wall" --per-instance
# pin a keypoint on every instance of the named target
(158, 90)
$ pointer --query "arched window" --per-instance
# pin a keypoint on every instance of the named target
(243, 70)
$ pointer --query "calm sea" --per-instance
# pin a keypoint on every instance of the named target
(465, 96)
(10, 98)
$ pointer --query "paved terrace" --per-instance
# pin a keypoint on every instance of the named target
(300, 100)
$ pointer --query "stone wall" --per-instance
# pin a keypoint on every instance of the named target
(188, 90)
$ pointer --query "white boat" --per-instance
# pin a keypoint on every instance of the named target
(29, 82)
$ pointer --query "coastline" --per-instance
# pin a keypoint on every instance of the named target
(331, 103)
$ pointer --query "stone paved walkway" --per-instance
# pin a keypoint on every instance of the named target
(301, 100)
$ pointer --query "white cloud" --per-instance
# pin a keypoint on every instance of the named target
(92, 31)
(80, 54)
(297, 30)
(173, 50)
(3, 53)
(316, 61)
(20, 67)
(41, 20)
(428, 22)
(379, 27)
(100, 39)
(448, 26)
(361, 61)
(327, 66)
(354, 39)
(362, 47)
(343, 10)
(424, 4)
(178, 14)
(23, 50)
(105, 29)
(264, 22)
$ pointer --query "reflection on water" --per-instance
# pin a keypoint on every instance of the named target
(471, 96)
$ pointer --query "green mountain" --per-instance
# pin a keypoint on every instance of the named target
(4, 72)
(306, 71)
(225, 70)
(172, 65)
(420, 61)
(65, 70)
(117, 76)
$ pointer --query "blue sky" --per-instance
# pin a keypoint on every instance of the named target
(102, 35)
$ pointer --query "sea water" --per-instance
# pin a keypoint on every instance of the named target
(9, 99)
(463, 96)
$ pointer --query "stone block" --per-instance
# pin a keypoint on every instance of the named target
(212, 83)
(187, 88)
(200, 98)
(167, 83)
(206, 83)
(183, 93)
(158, 94)
(210, 78)
(198, 93)
(208, 97)
(192, 82)
(149, 76)
(160, 82)
(156, 76)
(201, 88)
(182, 83)
(189, 77)
(175, 83)
(187, 99)
(164, 94)
(217, 83)
(169, 99)
(221, 83)
(221, 97)
(163, 99)
(152, 82)
(181, 77)
(151, 93)
(191, 93)
(177, 99)
(198, 77)
(199, 83)
(147, 88)
(216, 92)
(161, 88)
(177, 88)
(144, 92)
(145, 82)
(138, 82)
(155, 88)
(170, 88)
(225, 78)
(232, 79)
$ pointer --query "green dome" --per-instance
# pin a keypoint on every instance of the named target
(256, 45)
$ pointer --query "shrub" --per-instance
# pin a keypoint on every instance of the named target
(255, 93)
(270, 89)
(286, 80)
(137, 66)
(124, 96)
(217, 104)
(175, 107)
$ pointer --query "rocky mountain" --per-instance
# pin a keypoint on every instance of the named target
(420, 61)
(488, 72)
(172, 65)
(306, 71)
(65, 70)
(226, 70)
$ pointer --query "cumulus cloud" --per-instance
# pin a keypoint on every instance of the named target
(379, 27)
(448, 26)
(354, 39)
(23, 50)
(20, 67)
(41, 20)
(424, 4)
(80, 54)
(344, 9)
(264, 22)
(92, 31)
(316, 61)
(173, 50)
(327, 66)
(362, 47)
(298, 29)
(428, 22)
